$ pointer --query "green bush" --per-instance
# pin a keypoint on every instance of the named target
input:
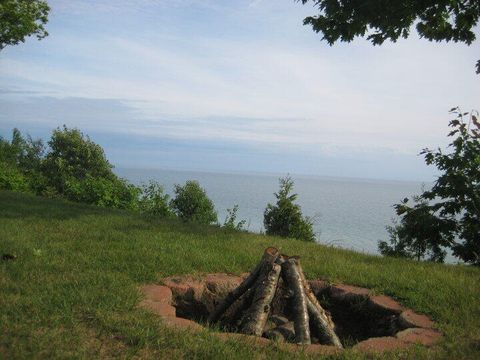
(191, 204)
(115, 193)
(154, 201)
(285, 218)
(77, 168)
(11, 178)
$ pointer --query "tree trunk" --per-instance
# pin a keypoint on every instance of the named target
(269, 256)
(265, 288)
(292, 277)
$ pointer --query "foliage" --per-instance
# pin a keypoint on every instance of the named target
(447, 215)
(73, 156)
(22, 18)
(231, 220)
(191, 204)
(21, 163)
(285, 218)
(384, 20)
(11, 178)
(73, 167)
(380, 20)
(154, 201)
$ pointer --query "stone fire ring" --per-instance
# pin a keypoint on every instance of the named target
(183, 298)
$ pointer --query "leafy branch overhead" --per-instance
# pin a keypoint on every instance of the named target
(380, 20)
(22, 18)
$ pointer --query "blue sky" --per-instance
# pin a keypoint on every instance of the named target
(235, 86)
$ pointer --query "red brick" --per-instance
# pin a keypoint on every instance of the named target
(380, 344)
(410, 319)
(157, 293)
(385, 304)
(426, 337)
(158, 308)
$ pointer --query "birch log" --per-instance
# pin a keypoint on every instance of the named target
(269, 256)
(291, 273)
(255, 319)
(318, 316)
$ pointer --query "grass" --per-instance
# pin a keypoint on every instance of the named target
(73, 289)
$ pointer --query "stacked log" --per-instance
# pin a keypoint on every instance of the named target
(248, 307)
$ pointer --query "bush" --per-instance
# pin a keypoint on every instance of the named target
(192, 204)
(77, 168)
(153, 200)
(231, 220)
(21, 163)
(285, 218)
(114, 193)
(11, 178)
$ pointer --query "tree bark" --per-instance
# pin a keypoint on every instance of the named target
(255, 319)
(269, 256)
(293, 279)
(318, 316)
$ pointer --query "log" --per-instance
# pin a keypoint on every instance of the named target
(232, 317)
(255, 319)
(269, 256)
(321, 322)
(293, 279)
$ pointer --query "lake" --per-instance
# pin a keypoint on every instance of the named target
(350, 213)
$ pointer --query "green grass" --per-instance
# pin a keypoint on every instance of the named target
(73, 289)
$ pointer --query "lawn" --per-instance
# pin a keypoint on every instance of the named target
(72, 290)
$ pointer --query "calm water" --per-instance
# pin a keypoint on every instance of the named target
(351, 213)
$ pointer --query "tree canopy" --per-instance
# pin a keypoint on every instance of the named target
(380, 20)
(22, 18)
(448, 214)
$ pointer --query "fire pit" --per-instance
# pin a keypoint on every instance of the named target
(276, 302)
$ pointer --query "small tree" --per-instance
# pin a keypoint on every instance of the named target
(191, 204)
(285, 218)
(231, 220)
(447, 215)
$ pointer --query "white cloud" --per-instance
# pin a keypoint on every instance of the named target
(250, 89)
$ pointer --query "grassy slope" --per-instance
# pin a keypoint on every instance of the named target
(73, 289)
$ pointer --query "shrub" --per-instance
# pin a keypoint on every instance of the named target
(154, 201)
(11, 178)
(192, 204)
(285, 218)
(77, 168)
(231, 220)
(115, 193)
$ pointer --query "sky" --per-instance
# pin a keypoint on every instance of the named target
(235, 86)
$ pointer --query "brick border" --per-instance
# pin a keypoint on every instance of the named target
(416, 328)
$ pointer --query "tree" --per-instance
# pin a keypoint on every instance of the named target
(76, 167)
(191, 204)
(380, 20)
(22, 18)
(447, 215)
(285, 218)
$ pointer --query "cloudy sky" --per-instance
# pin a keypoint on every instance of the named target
(234, 86)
